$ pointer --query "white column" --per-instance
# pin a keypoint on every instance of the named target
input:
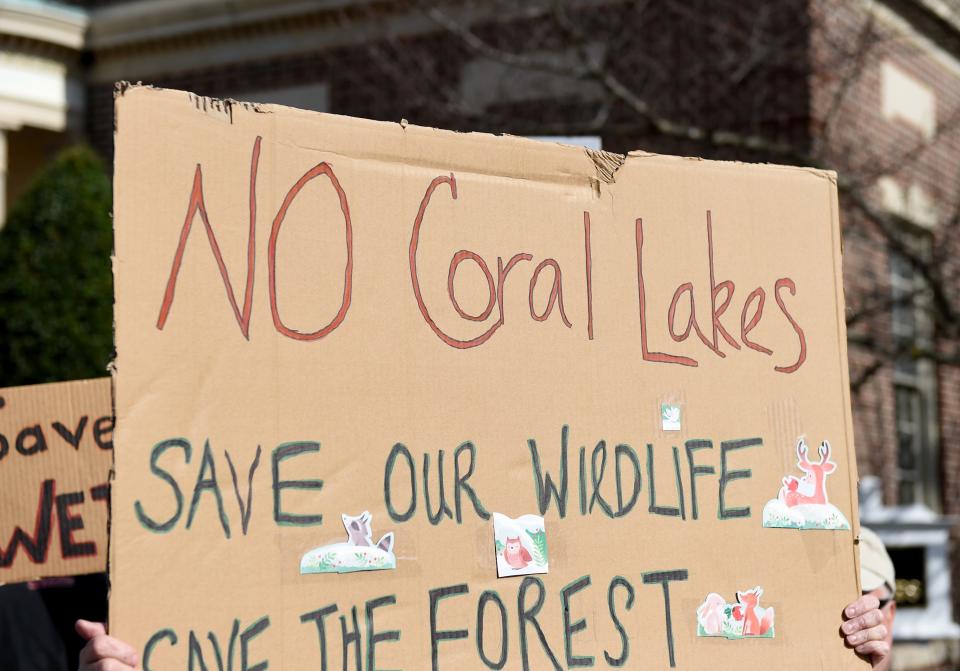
(3, 177)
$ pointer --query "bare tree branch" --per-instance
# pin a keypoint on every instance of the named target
(585, 42)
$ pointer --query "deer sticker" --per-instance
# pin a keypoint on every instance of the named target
(802, 503)
(812, 487)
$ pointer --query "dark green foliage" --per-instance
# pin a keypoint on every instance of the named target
(56, 282)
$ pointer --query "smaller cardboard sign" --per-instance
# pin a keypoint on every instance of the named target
(56, 444)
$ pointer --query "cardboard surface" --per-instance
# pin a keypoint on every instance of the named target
(55, 460)
(294, 347)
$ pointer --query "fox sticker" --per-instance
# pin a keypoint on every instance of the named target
(744, 618)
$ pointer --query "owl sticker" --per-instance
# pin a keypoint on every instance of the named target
(521, 545)
(515, 554)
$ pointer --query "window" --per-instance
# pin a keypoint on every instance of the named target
(905, 98)
(915, 406)
(910, 564)
(910, 443)
(912, 203)
(905, 289)
(588, 141)
(486, 82)
(314, 97)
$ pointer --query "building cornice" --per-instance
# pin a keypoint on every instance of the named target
(44, 22)
(934, 19)
(943, 11)
(146, 21)
(152, 38)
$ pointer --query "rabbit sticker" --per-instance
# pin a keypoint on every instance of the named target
(357, 553)
(744, 618)
(358, 532)
(520, 544)
(802, 502)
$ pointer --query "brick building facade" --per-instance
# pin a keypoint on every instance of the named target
(870, 88)
(895, 128)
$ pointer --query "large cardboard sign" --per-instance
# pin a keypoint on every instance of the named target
(397, 398)
(55, 459)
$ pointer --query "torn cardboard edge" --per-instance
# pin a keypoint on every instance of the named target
(564, 163)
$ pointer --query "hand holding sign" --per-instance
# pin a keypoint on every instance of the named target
(103, 652)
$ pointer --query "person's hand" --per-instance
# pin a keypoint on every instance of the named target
(866, 630)
(103, 652)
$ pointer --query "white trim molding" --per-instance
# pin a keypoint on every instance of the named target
(44, 22)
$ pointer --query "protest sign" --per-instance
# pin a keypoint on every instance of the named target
(343, 346)
(55, 459)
